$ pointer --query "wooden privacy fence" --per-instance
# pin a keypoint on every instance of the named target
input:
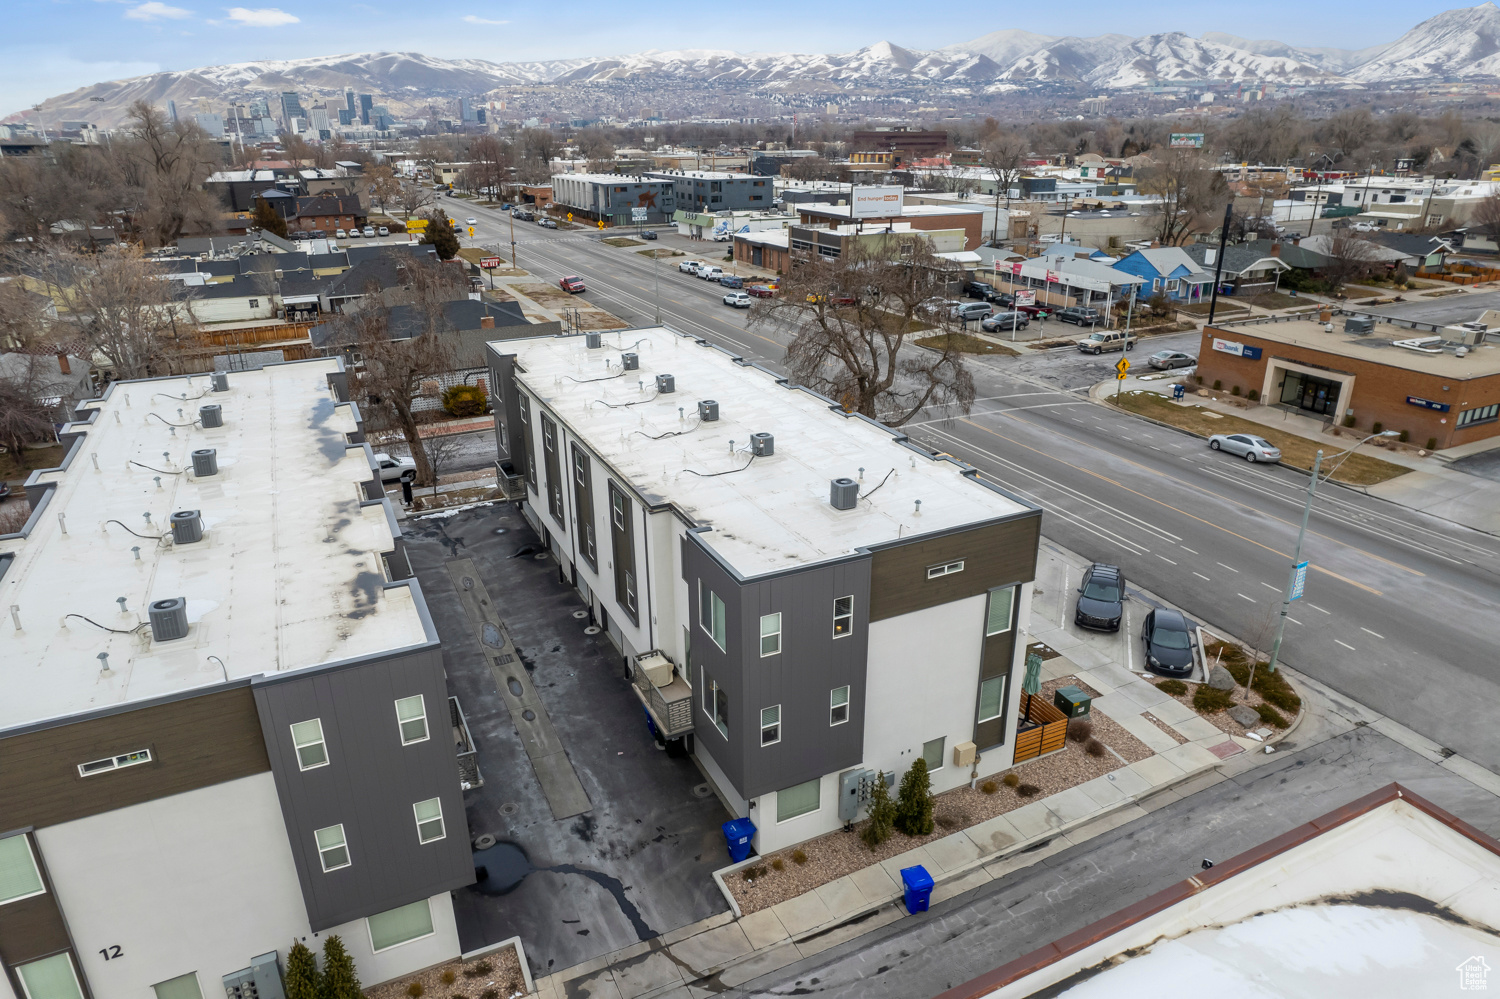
(1460, 274)
(1048, 732)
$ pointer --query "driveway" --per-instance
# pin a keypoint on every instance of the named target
(638, 863)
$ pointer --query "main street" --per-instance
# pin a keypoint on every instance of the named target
(1400, 607)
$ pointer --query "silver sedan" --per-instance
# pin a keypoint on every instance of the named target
(1251, 448)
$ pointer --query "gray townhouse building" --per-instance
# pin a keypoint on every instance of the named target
(804, 597)
(615, 198)
(225, 724)
(709, 191)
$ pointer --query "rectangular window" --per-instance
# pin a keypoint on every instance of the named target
(114, 762)
(946, 569)
(799, 800)
(583, 508)
(333, 851)
(19, 877)
(622, 546)
(843, 617)
(711, 615)
(181, 987)
(997, 620)
(429, 820)
(1483, 414)
(770, 725)
(553, 468)
(307, 736)
(932, 752)
(411, 717)
(50, 978)
(400, 925)
(716, 704)
(838, 706)
(526, 446)
(991, 698)
(770, 634)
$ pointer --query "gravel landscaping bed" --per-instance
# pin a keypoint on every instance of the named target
(496, 975)
(835, 854)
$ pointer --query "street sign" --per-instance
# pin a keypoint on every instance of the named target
(638, 215)
(1122, 366)
(601, 223)
(1026, 298)
(570, 216)
(471, 230)
(489, 263)
(1299, 580)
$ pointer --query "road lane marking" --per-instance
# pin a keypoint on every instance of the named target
(1188, 550)
(1230, 567)
(1275, 589)
(1347, 646)
(1243, 597)
(1375, 633)
(1293, 620)
(1165, 559)
(1203, 577)
(1317, 608)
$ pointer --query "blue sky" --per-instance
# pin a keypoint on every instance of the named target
(53, 46)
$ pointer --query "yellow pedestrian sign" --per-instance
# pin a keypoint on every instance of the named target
(471, 230)
(570, 216)
(601, 223)
(1121, 366)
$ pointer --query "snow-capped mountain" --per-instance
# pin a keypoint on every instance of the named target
(1458, 43)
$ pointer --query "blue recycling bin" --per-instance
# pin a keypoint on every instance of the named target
(737, 836)
(917, 885)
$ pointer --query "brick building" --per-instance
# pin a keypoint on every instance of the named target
(970, 220)
(1429, 382)
(328, 212)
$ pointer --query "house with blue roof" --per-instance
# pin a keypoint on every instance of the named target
(1170, 271)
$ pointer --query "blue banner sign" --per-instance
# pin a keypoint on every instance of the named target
(1299, 580)
(1441, 407)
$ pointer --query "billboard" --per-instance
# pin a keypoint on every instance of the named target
(1187, 140)
(875, 202)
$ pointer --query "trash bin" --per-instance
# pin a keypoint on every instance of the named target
(1072, 702)
(917, 885)
(737, 836)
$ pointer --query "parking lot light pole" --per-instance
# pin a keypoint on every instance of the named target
(1312, 485)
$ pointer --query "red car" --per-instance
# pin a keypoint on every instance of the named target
(760, 291)
(1037, 311)
(572, 284)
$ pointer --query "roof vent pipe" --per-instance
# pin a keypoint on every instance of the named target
(211, 415)
(205, 462)
(843, 493)
(187, 527)
(168, 619)
(221, 382)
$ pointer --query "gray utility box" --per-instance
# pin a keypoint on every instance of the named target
(1072, 702)
(262, 980)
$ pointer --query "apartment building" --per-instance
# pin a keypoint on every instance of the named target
(802, 594)
(712, 191)
(225, 725)
(614, 199)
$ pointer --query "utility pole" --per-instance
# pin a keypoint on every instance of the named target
(513, 263)
(1213, 302)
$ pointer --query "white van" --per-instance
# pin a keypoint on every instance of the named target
(710, 272)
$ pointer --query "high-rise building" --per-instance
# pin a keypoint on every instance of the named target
(465, 109)
(291, 107)
(260, 108)
(348, 116)
(366, 102)
(213, 124)
(172, 111)
(349, 98)
(318, 122)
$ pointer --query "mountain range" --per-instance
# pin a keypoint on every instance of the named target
(1463, 43)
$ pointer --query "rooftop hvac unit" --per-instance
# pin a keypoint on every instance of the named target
(1359, 324)
(211, 415)
(630, 361)
(168, 619)
(656, 668)
(187, 527)
(708, 410)
(843, 493)
(665, 384)
(593, 341)
(762, 445)
(221, 382)
(205, 462)
(1469, 334)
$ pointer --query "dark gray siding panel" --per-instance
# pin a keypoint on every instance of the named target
(370, 786)
(723, 666)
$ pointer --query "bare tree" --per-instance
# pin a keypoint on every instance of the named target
(167, 163)
(1350, 131)
(25, 417)
(1487, 216)
(808, 168)
(1190, 192)
(382, 185)
(25, 320)
(1003, 156)
(412, 197)
(850, 318)
(1350, 259)
(441, 450)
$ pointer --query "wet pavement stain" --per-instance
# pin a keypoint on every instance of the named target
(502, 867)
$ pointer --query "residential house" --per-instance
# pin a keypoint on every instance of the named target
(1247, 268)
(1063, 281)
(59, 381)
(1420, 250)
(328, 212)
(1168, 270)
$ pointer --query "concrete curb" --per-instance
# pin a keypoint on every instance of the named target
(520, 956)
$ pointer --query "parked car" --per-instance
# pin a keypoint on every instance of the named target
(396, 469)
(1250, 447)
(1004, 298)
(940, 306)
(340, 234)
(1036, 311)
(710, 272)
(1081, 315)
(383, 231)
(649, 234)
(760, 291)
(547, 223)
(1101, 598)
(1167, 642)
(1000, 322)
(970, 310)
(319, 234)
(982, 290)
(353, 233)
(573, 284)
(738, 299)
(471, 221)
(1165, 360)
(690, 266)
(1099, 341)
(369, 232)
(302, 235)
(722, 237)
(731, 281)
(522, 216)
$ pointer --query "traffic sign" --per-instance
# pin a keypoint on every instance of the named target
(601, 223)
(570, 216)
(489, 263)
(1299, 580)
(1122, 366)
(471, 230)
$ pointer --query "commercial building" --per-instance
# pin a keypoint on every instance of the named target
(906, 144)
(770, 249)
(291, 107)
(225, 724)
(831, 216)
(614, 199)
(891, 240)
(716, 191)
(804, 596)
(1440, 386)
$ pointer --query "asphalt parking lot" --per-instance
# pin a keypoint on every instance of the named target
(639, 862)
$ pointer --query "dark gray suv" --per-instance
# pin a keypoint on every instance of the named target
(1081, 316)
(1101, 598)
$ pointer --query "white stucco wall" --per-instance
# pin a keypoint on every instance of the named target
(771, 835)
(199, 882)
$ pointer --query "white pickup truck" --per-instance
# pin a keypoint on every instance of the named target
(1099, 341)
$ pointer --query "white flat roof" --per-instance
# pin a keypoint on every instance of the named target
(820, 208)
(768, 514)
(288, 573)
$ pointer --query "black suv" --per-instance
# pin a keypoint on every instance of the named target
(982, 290)
(1101, 598)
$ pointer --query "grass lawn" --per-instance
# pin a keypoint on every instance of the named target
(1201, 308)
(1279, 300)
(621, 241)
(42, 457)
(1358, 469)
(965, 343)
